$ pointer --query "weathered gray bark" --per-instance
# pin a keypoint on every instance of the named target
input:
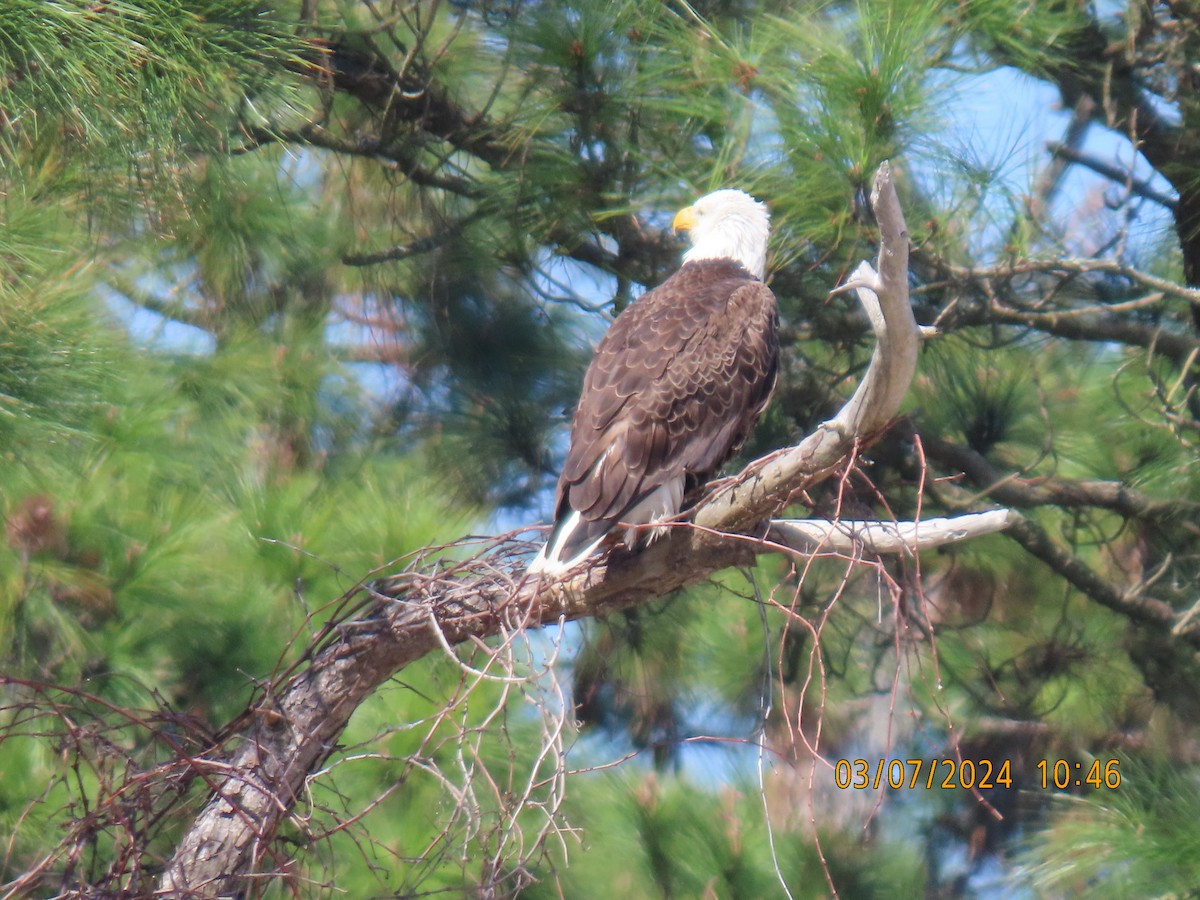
(288, 736)
(878, 538)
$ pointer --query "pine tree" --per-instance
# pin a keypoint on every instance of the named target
(290, 291)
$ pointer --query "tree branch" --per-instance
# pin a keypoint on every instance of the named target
(414, 247)
(1070, 267)
(1020, 492)
(392, 154)
(1113, 173)
(1086, 64)
(408, 95)
(1132, 604)
(1097, 323)
(292, 729)
(884, 538)
(127, 287)
(1025, 493)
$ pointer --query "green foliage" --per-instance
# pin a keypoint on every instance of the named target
(170, 72)
(1139, 840)
(258, 243)
(167, 507)
(53, 372)
(220, 219)
(495, 373)
(673, 837)
(985, 398)
(171, 519)
(1032, 35)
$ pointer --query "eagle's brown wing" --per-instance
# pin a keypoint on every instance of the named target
(674, 390)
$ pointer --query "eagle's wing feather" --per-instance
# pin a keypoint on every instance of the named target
(674, 389)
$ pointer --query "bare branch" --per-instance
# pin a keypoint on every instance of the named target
(392, 154)
(414, 247)
(1051, 179)
(994, 303)
(1180, 349)
(1087, 65)
(1132, 602)
(854, 537)
(167, 307)
(1113, 173)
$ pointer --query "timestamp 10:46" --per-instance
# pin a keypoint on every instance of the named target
(1062, 774)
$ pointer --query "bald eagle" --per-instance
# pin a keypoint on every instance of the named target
(675, 387)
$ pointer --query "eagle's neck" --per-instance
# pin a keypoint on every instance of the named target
(738, 238)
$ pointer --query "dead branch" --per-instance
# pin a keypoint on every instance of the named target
(1111, 76)
(1179, 348)
(402, 157)
(853, 538)
(416, 613)
(1138, 608)
(414, 247)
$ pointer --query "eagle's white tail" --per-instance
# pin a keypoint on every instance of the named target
(663, 502)
(550, 561)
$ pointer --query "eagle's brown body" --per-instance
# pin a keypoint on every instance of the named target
(673, 391)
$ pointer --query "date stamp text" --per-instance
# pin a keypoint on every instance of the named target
(969, 774)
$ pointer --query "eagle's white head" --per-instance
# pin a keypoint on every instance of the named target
(727, 224)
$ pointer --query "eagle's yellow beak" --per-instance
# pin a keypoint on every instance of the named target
(685, 219)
